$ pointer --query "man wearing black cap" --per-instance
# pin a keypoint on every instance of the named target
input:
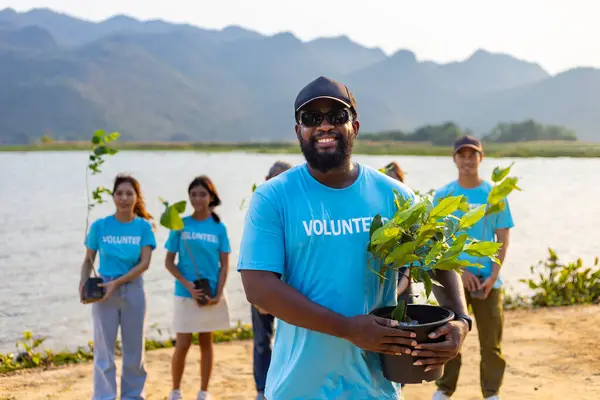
(482, 285)
(303, 259)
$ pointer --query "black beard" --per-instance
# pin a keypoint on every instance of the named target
(325, 162)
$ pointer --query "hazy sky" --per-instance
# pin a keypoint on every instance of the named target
(558, 34)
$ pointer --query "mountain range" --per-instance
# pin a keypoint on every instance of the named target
(155, 80)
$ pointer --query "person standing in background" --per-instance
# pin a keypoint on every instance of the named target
(125, 241)
(483, 286)
(262, 322)
(203, 249)
(393, 170)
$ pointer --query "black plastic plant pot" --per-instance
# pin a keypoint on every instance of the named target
(400, 368)
(91, 291)
(203, 284)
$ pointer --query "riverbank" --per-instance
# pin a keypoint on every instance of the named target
(552, 353)
(520, 149)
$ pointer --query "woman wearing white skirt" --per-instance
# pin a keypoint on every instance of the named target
(203, 251)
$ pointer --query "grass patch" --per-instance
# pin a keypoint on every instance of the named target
(31, 355)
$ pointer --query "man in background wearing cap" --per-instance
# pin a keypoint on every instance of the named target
(303, 259)
(482, 285)
(262, 322)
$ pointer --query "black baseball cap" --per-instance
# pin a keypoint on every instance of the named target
(325, 88)
(468, 141)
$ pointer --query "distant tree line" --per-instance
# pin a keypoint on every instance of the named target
(445, 134)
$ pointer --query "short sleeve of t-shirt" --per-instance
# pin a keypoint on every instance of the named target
(148, 238)
(224, 246)
(262, 246)
(505, 219)
(91, 241)
(172, 244)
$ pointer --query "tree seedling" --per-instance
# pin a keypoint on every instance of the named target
(426, 238)
(100, 146)
(171, 219)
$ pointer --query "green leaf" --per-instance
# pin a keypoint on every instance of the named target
(436, 283)
(171, 219)
(385, 233)
(457, 247)
(254, 186)
(495, 208)
(500, 173)
(401, 201)
(27, 335)
(472, 217)
(375, 224)
(447, 206)
(482, 249)
(180, 206)
(400, 252)
(97, 137)
(426, 279)
(408, 217)
(101, 150)
(424, 236)
(434, 253)
(398, 312)
(450, 228)
(499, 192)
(464, 204)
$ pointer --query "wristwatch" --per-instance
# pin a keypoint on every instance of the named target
(466, 318)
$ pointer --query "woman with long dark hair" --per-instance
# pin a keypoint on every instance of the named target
(203, 250)
(125, 241)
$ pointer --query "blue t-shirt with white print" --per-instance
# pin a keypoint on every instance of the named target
(119, 244)
(316, 237)
(206, 240)
(476, 197)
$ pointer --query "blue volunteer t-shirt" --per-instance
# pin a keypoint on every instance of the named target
(316, 237)
(119, 243)
(476, 197)
(206, 240)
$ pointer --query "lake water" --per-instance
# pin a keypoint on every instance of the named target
(42, 222)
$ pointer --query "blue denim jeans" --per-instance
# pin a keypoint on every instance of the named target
(125, 308)
(262, 326)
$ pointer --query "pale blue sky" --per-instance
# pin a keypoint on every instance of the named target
(558, 34)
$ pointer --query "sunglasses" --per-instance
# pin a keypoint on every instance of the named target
(315, 118)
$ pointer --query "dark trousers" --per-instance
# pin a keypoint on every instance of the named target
(489, 317)
(262, 326)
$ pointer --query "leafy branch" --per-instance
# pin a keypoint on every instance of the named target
(101, 146)
(426, 238)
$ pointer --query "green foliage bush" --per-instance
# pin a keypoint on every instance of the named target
(29, 353)
(558, 284)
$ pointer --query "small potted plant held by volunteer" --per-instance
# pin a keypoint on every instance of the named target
(101, 145)
(426, 238)
(171, 219)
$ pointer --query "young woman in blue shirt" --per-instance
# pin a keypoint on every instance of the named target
(125, 241)
(202, 248)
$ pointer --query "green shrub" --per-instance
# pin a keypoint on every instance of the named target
(558, 284)
(30, 355)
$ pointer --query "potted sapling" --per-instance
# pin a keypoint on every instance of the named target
(171, 219)
(427, 238)
(101, 145)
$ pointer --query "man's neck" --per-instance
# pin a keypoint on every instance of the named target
(469, 182)
(337, 178)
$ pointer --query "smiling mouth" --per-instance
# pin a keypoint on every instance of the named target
(325, 140)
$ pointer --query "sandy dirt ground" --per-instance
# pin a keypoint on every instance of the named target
(551, 354)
